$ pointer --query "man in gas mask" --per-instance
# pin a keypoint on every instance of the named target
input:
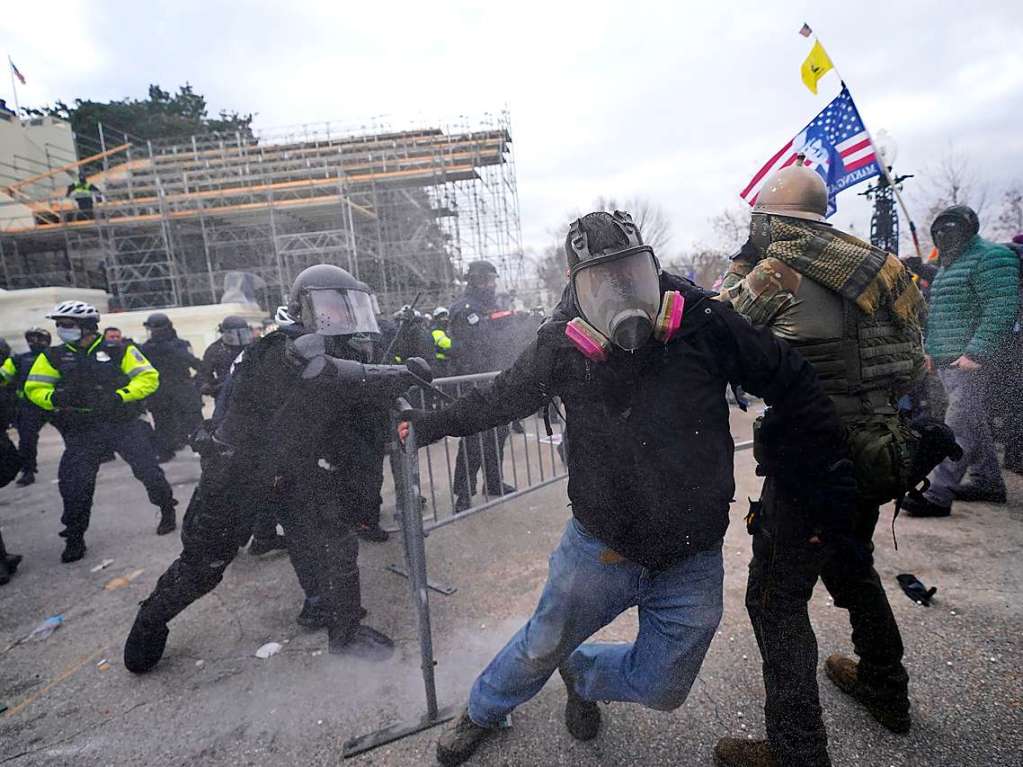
(176, 406)
(974, 301)
(640, 358)
(293, 396)
(853, 311)
(470, 326)
(235, 335)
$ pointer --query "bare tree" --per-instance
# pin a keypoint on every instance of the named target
(953, 181)
(732, 227)
(1009, 221)
(649, 217)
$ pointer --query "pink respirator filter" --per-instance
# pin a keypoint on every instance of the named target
(669, 319)
(587, 340)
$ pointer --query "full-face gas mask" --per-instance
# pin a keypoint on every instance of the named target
(952, 231)
(618, 295)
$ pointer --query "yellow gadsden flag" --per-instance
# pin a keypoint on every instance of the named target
(817, 65)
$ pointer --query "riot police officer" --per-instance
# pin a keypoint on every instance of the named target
(471, 333)
(235, 335)
(292, 396)
(95, 390)
(176, 406)
(442, 345)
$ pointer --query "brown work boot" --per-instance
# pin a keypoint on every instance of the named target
(892, 712)
(739, 752)
(460, 740)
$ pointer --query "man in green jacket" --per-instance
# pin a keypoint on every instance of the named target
(974, 300)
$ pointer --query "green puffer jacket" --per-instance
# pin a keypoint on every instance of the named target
(973, 302)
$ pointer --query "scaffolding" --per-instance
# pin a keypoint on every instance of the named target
(403, 210)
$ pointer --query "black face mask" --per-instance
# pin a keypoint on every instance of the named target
(38, 348)
(950, 237)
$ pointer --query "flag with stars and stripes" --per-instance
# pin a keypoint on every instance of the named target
(835, 144)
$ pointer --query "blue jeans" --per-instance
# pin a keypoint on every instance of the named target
(679, 611)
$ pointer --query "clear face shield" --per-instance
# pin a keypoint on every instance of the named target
(331, 312)
(237, 336)
(619, 295)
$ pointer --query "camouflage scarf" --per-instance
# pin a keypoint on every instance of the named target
(854, 269)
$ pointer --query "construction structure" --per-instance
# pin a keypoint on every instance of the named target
(228, 217)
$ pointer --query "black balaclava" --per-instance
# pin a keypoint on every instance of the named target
(952, 231)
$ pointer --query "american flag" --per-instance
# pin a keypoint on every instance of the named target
(836, 145)
(15, 71)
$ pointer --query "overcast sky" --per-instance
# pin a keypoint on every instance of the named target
(679, 102)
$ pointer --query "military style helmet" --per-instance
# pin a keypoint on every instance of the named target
(795, 192)
(329, 301)
(961, 214)
(157, 320)
(74, 310)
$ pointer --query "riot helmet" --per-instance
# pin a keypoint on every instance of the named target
(615, 278)
(482, 278)
(38, 339)
(329, 301)
(235, 331)
(952, 231)
(159, 326)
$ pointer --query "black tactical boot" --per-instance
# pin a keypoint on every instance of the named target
(974, 492)
(890, 710)
(145, 645)
(8, 563)
(460, 740)
(26, 478)
(314, 615)
(919, 506)
(582, 717)
(74, 549)
(738, 752)
(373, 533)
(462, 503)
(168, 524)
(260, 546)
(359, 641)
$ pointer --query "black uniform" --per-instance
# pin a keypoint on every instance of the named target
(28, 419)
(306, 419)
(216, 364)
(472, 331)
(176, 406)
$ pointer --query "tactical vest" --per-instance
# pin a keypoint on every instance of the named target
(866, 361)
(96, 369)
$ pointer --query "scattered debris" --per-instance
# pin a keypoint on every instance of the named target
(101, 566)
(267, 650)
(103, 665)
(317, 652)
(916, 590)
(44, 629)
(122, 580)
(200, 663)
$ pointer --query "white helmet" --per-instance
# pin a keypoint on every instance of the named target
(74, 310)
(282, 317)
(440, 311)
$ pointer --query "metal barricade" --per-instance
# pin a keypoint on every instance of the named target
(488, 468)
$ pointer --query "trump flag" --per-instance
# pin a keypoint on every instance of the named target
(835, 144)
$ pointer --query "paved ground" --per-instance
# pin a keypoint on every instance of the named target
(212, 702)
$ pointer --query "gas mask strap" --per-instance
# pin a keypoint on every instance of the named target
(578, 240)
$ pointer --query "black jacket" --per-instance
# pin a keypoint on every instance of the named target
(650, 453)
(216, 364)
(471, 331)
(173, 359)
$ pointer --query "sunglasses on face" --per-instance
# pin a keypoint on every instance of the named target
(65, 323)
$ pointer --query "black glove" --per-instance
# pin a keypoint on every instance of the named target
(62, 398)
(916, 590)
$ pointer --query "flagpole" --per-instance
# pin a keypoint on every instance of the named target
(14, 88)
(881, 162)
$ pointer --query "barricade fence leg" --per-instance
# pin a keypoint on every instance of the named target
(413, 537)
